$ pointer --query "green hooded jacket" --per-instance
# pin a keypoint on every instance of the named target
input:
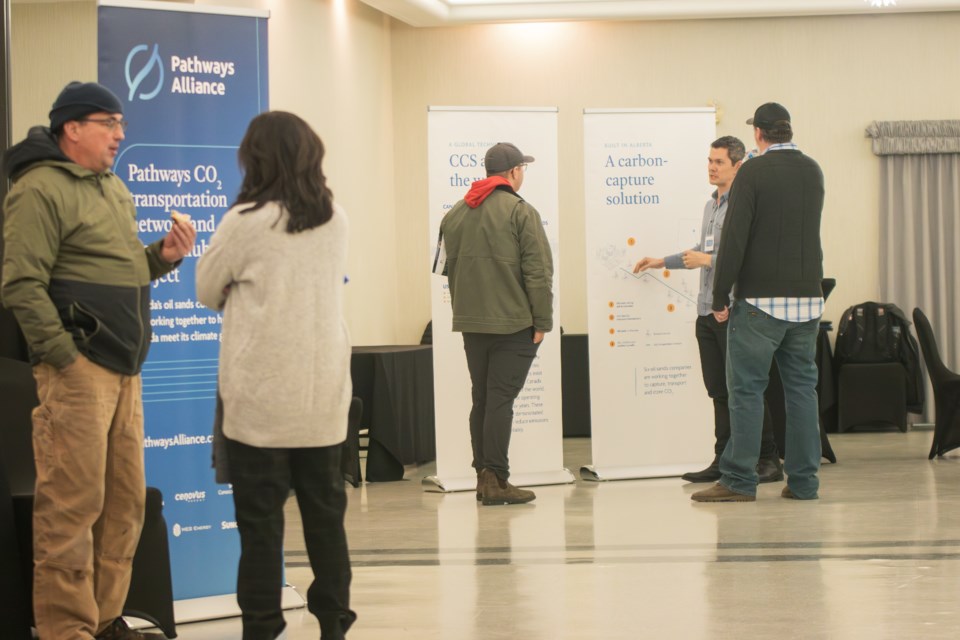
(75, 273)
(499, 265)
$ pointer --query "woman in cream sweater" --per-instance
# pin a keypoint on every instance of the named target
(275, 267)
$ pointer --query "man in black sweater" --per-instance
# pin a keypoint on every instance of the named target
(771, 254)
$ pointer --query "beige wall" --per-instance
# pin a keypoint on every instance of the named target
(50, 45)
(329, 62)
(365, 81)
(332, 67)
(835, 74)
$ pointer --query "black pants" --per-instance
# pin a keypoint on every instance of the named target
(498, 367)
(262, 479)
(712, 339)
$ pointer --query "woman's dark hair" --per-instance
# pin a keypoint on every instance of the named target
(281, 159)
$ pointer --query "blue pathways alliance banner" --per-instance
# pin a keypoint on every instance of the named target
(190, 82)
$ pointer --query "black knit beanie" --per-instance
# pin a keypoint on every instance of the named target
(79, 99)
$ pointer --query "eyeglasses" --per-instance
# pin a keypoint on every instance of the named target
(522, 167)
(109, 123)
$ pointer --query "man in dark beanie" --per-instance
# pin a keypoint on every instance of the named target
(77, 279)
(79, 99)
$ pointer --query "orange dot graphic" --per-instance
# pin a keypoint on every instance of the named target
(610, 304)
(631, 242)
(612, 343)
(611, 331)
(611, 316)
(666, 273)
(671, 308)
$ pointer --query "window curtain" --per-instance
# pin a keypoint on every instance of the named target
(920, 224)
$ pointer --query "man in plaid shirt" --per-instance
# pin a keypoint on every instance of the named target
(771, 253)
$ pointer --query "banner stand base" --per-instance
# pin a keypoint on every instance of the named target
(594, 473)
(225, 606)
(469, 483)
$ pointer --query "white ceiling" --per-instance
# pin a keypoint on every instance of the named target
(432, 13)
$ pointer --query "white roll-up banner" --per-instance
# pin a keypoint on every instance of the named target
(646, 184)
(458, 138)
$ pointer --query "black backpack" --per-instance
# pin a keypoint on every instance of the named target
(875, 332)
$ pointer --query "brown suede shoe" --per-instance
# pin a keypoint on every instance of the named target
(118, 630)
(496, 490)
(789, 495)
(479, 488)
(719, 493)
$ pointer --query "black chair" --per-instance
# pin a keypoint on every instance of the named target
(18, 396)
(427, 337)
(151, 590)
(150, 596)
(946, 390)
(872, 395)
(350, 457)
(14, 600)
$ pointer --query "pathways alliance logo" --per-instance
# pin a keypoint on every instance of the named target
(146, 71)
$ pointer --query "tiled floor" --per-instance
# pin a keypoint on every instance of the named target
(878, 556)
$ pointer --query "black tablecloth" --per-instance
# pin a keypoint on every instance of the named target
(575, 385)
(14, 602)
(395, 383)
(826, 390)
(18, 397)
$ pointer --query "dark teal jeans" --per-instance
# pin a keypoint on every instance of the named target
(754, 339)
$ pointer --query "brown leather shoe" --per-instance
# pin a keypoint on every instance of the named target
(710, 474)
(495, 490)
(769, 470)
(479, 488)
(719, 493)
(118, 630)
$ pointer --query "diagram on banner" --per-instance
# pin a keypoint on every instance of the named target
(678, 292)
(654, 317)
(612, 258)
(647, 317)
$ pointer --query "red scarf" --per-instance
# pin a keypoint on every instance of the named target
(480, 189)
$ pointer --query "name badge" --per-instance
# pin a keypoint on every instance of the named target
(708, 244)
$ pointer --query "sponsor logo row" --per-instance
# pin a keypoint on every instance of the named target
(194, 497)
(180, 530)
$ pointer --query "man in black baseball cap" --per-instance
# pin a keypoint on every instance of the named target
(770, 115)
(504, 156)
(500, 272)
(771, 258)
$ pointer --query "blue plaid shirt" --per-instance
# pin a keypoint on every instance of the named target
(789, 309)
